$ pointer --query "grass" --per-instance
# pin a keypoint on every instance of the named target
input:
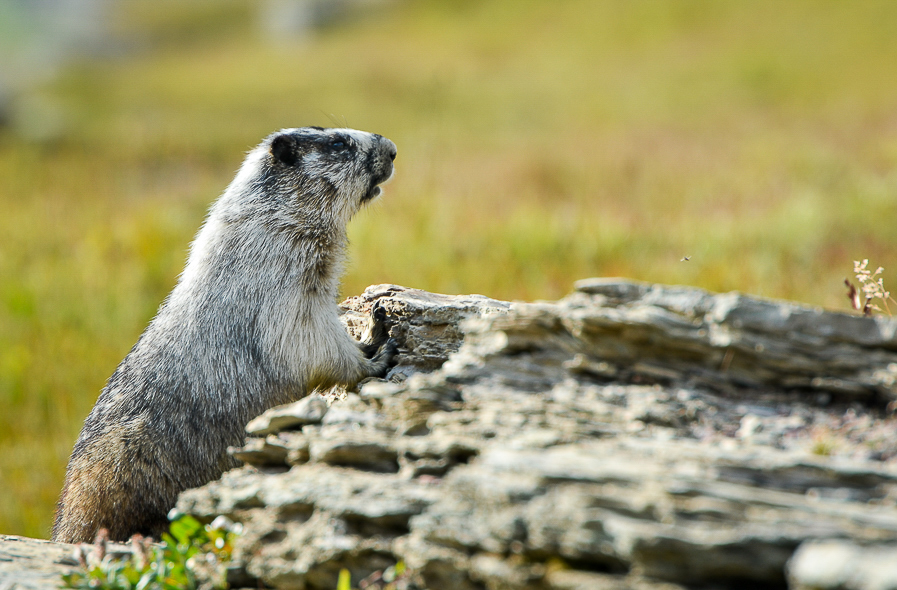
(539, 143)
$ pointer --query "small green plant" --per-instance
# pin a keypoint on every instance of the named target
(823, 447)
(190, 557)
(872, 286)
(345, 580)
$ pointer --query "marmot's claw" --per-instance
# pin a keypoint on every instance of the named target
(379, 333)
(387, 354)
(378, 313)
(379, 328)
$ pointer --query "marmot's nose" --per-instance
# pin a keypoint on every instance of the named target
(387, 146)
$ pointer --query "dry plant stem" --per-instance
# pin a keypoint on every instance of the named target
(854, 296)
(873, 287)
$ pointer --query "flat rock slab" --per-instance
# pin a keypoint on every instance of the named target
(33, 564)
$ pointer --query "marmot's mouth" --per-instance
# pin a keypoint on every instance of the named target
(375, 190)
(372, 193)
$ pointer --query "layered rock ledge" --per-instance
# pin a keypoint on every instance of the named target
(627, 436)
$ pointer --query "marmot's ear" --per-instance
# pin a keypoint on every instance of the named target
(283, 148)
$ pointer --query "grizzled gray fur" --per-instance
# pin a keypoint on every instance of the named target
(252, 323)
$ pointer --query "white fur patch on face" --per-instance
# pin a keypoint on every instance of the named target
(365, 140)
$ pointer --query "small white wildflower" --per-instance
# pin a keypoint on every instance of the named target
(873, 287)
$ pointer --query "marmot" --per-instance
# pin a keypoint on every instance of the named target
(252, 323)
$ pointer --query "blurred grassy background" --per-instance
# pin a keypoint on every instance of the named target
(539, 143)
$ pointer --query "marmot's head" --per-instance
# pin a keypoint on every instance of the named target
(311, 176)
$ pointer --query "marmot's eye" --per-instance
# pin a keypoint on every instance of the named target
(338, 144)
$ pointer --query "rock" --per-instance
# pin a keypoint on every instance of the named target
(627, 436)
(32, 564)
(349, 521)
(365, 451)
(427, 325)
(308, 410)
(271, 450)
(835, 564)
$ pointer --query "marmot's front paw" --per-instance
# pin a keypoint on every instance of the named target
(386, 357)
(379, 333)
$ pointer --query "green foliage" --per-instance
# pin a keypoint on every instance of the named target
(190, 557)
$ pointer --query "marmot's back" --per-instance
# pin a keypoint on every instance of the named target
(252, 323)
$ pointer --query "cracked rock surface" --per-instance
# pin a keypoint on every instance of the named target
(627, 436)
